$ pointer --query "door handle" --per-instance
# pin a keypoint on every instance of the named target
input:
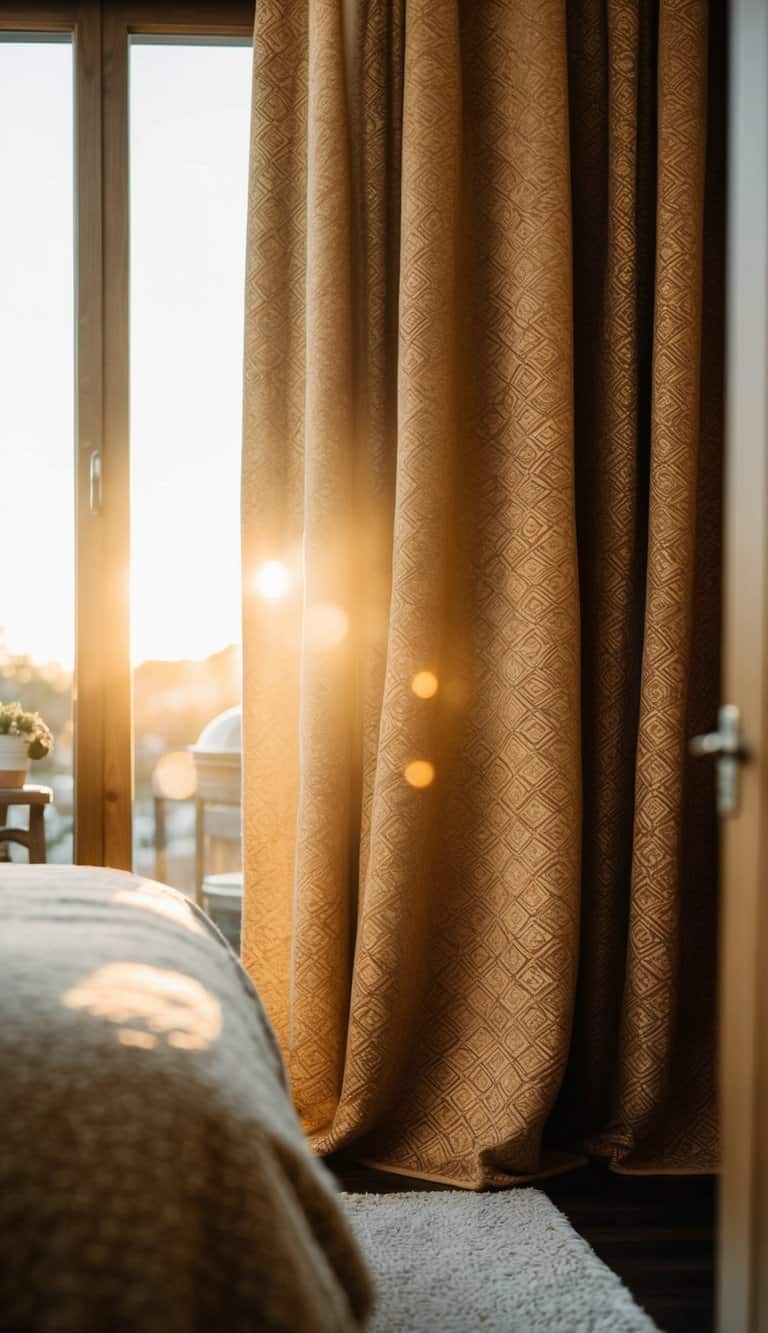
(728, 744)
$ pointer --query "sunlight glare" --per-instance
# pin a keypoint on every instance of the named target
(420, 773)
(325, 625)
(175, 909)
(187, 1041)
(175, 775)
(424, 684)
(272, 580)
(168, 1003)
(135, 1037)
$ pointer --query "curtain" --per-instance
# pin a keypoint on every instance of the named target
(481, 480)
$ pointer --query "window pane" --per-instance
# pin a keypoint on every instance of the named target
(37, 405)
(189, 125)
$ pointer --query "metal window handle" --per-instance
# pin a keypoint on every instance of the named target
(95, 481)
(731, 750)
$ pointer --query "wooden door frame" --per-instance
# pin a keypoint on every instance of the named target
(743, 1221)
(81, 22)
(101, 32)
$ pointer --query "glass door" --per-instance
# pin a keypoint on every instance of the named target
(188, 143)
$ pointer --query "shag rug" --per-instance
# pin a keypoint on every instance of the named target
(457, 1262)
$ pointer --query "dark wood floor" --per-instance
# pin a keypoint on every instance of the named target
(656, 1232)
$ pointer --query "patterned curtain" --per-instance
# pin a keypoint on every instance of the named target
(481, 482)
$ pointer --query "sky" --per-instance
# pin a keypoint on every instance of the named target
(189, 124)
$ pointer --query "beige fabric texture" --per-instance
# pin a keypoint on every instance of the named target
(153, 1174)
(482, 429)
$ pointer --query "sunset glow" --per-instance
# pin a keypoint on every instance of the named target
(189, 179)
(37, 340)
(272, 580)
(189, 185)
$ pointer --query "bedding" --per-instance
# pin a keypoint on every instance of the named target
(153, 1174)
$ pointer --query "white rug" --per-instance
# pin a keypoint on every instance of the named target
(457, 1262)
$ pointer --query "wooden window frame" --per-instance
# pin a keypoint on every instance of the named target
(101, 33)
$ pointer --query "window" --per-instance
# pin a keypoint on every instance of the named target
(189, 113)
(123, 151)
(37, 538)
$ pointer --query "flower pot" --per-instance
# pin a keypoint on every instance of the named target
(14, 761)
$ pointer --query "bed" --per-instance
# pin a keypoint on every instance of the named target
(153, 1174)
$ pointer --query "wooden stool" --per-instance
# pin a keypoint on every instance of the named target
(33, 837)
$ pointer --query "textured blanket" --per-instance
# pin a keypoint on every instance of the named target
(153, 1174)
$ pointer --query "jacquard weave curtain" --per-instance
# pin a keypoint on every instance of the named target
(482, 438)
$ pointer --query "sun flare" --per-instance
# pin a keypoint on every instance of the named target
(425, 684)
(273, 580)
(420, 773)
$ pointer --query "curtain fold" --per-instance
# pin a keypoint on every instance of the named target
(482, 438)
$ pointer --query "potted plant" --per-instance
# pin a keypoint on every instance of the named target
(23, 736)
